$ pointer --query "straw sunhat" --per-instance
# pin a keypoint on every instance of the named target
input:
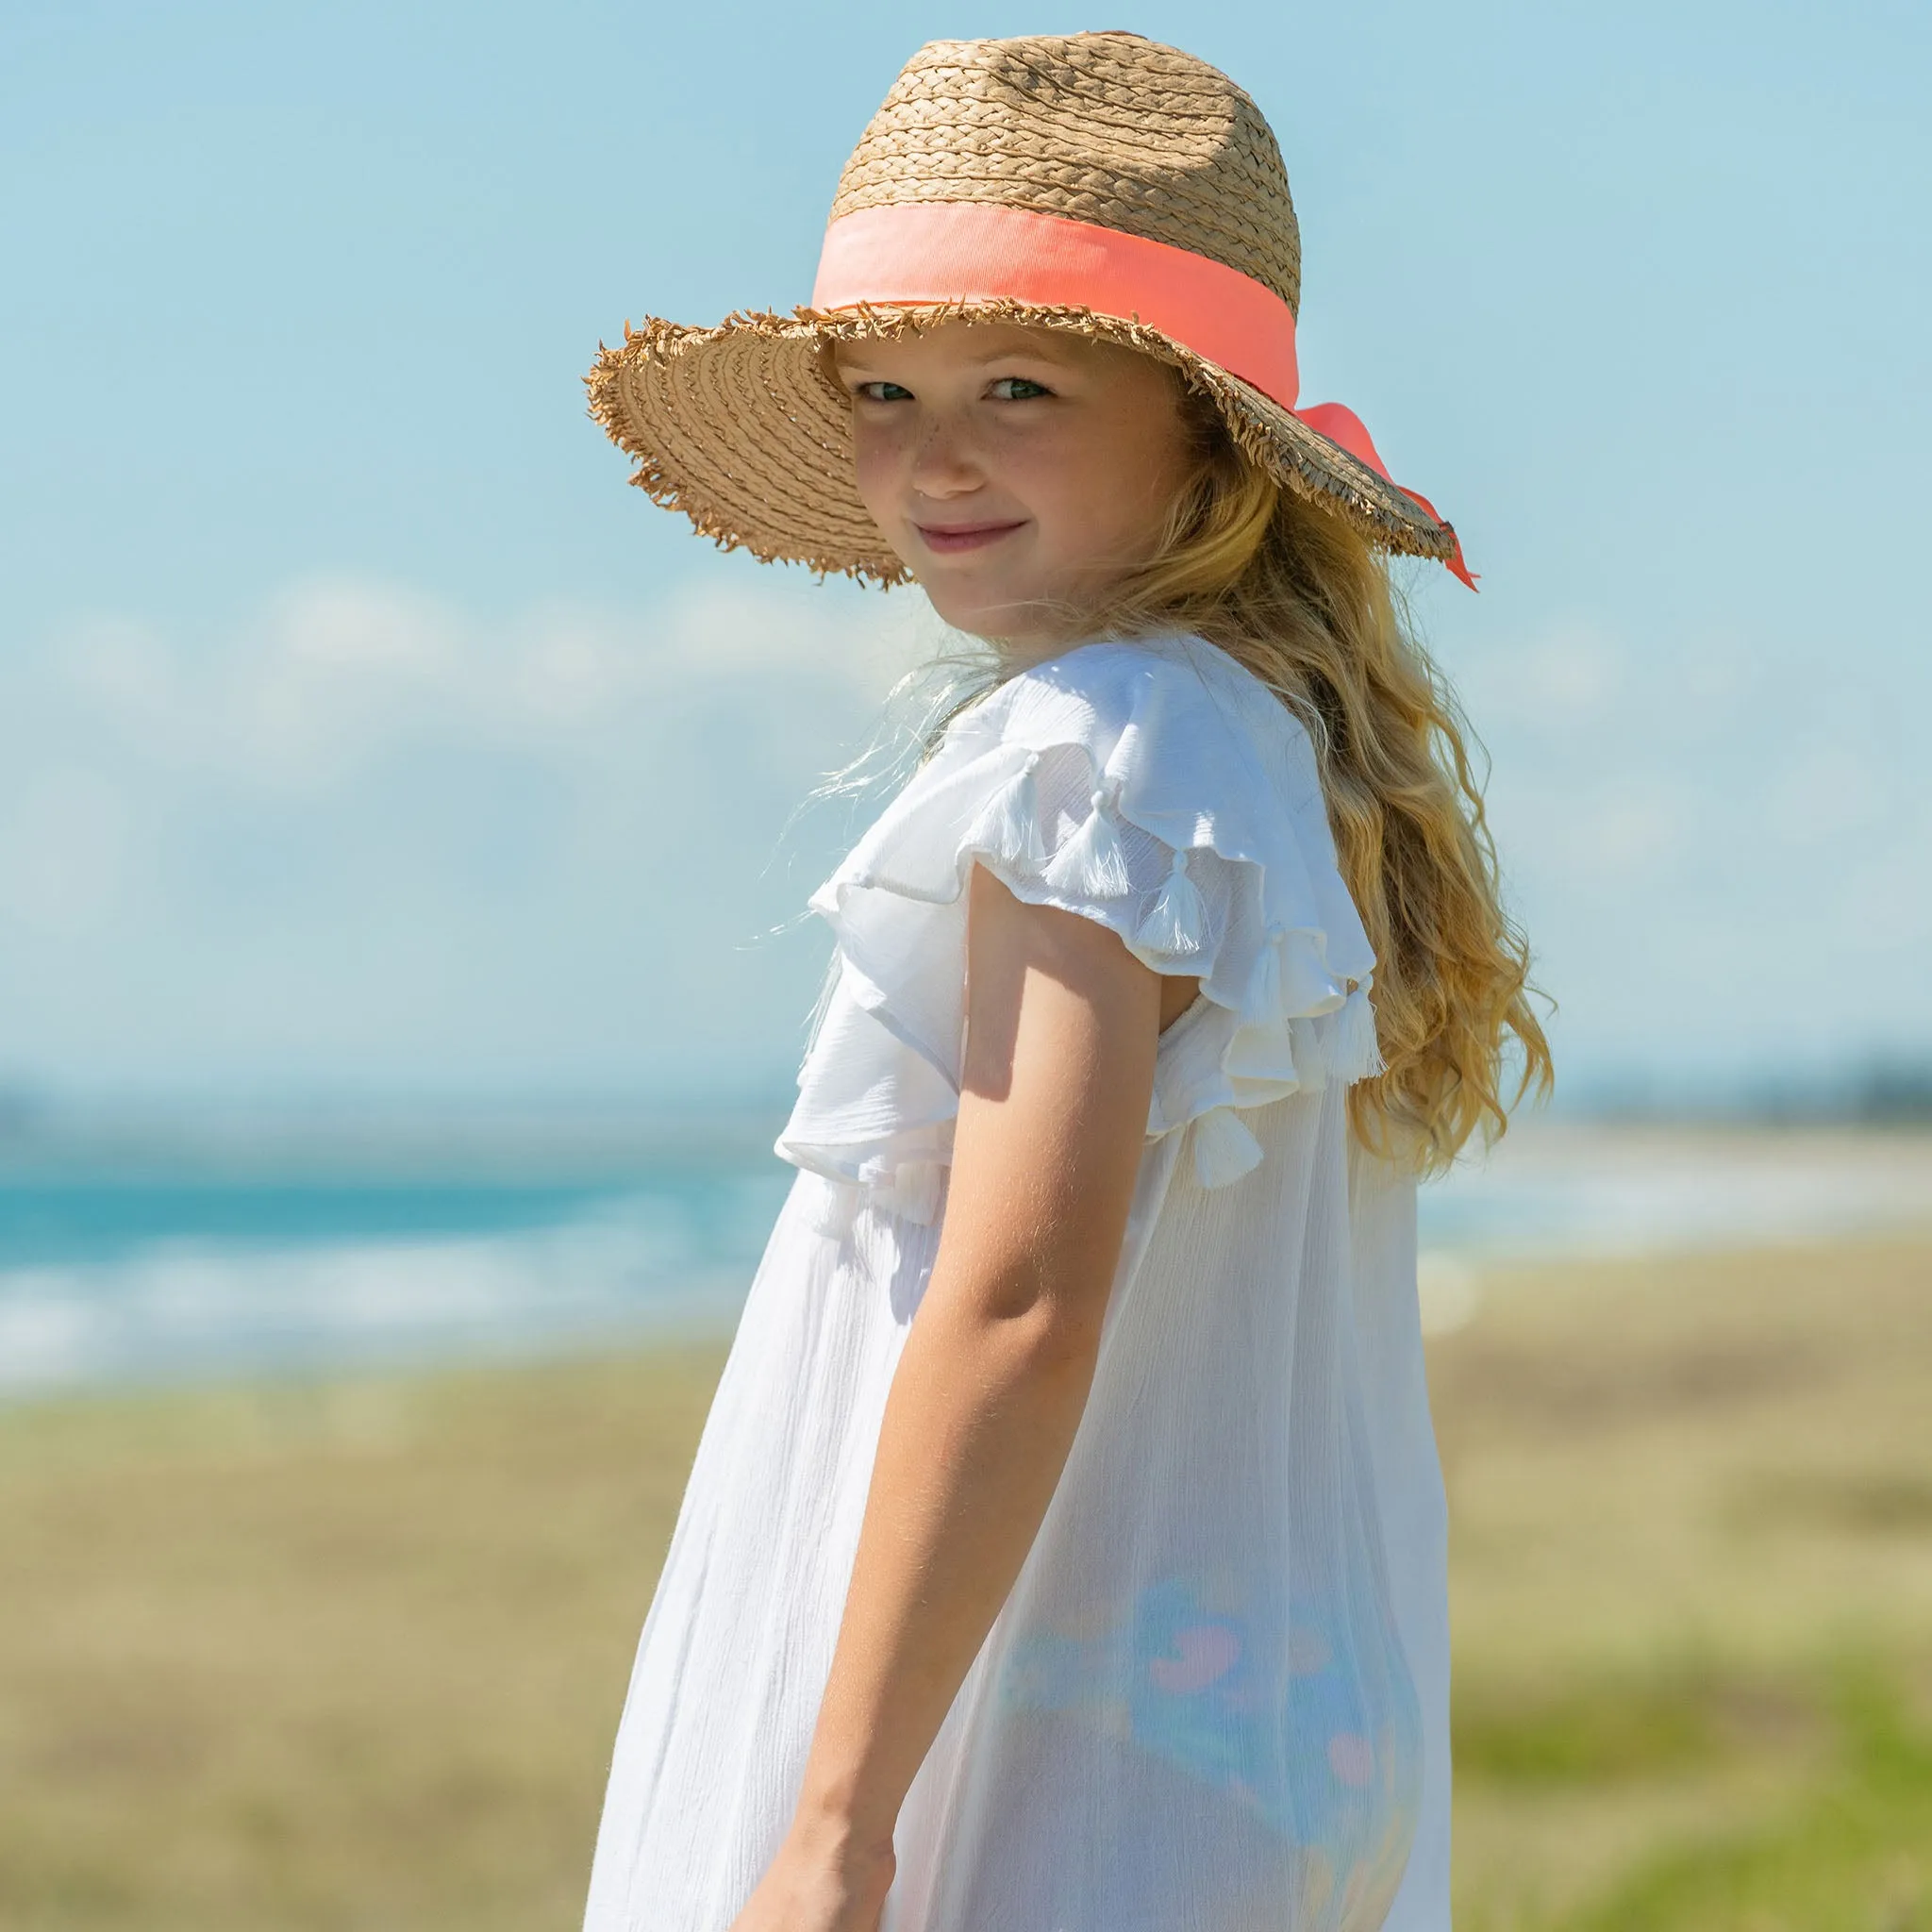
(1095, 182)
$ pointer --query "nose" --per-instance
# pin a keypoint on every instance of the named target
(943, 461)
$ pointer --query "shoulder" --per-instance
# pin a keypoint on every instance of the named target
(1174, 722)
(1175, 680)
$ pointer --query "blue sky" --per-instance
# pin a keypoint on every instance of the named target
(361, 732)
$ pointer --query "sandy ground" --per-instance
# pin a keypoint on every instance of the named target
(350, 1654)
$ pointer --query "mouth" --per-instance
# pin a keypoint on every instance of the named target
(945, 540)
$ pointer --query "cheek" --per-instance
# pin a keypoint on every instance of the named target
(875, 464)
(1112, 489)
(1067, 482)
(1152, 451)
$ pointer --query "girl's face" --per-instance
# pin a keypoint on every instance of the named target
(1016, 472)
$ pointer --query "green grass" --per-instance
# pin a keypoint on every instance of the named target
(1622, 1726)
(1853, 1853)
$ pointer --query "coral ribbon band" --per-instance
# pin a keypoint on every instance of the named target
(911, 253)
(977, 251)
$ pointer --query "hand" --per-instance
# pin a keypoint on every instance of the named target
(820, 1882)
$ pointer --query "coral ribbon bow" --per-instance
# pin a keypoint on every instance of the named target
(1339, 424)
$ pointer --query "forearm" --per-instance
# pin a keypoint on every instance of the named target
(982, 1414)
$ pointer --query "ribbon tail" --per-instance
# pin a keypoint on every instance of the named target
(1454, 560)
(1341, 425)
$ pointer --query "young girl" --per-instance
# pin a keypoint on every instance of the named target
(1065, 1549)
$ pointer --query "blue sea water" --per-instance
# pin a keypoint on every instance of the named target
(149, 1268)
(240, 1258)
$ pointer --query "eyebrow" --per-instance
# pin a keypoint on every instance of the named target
(1048, 351)
(853, 358)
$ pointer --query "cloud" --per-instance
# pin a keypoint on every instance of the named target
(369, 837)
(61, 850)
(335, 674)
(1723, 857)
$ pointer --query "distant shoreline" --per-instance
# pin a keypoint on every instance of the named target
(127, 1268)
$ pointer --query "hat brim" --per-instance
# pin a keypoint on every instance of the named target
(740, 428)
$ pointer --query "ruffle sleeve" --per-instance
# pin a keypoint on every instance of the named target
(1160, 789)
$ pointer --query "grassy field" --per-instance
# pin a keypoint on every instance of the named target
(350, 1656)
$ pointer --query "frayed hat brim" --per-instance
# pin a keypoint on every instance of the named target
(741, 429)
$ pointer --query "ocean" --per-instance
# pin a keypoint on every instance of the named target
(156, 1255)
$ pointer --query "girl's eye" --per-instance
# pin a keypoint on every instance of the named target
(883, 393)
(1018, 389)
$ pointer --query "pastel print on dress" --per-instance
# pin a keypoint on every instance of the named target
(1278, 1722)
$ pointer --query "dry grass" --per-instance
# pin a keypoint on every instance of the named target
(347, 1656)
(350, 1656)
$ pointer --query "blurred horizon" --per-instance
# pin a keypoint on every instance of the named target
(1878, 1094)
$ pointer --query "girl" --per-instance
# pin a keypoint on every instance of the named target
(1065, 1549)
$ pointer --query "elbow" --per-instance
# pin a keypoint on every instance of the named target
(1065, 1345)
(1042, 1331)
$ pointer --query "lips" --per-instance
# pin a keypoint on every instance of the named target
(946, 539)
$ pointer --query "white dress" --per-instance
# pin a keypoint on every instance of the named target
(1217, 1697)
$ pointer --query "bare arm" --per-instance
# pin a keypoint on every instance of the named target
(1062, 1023)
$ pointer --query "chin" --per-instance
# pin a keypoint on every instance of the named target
(1011, 618)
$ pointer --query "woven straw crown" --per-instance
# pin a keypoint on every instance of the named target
(738, 425)
(1104, 128)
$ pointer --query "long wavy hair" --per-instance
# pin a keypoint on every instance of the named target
(1303, 601)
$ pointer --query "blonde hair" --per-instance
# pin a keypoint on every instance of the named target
(1297, 595)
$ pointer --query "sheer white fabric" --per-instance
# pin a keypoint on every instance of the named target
(1217, 1697)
